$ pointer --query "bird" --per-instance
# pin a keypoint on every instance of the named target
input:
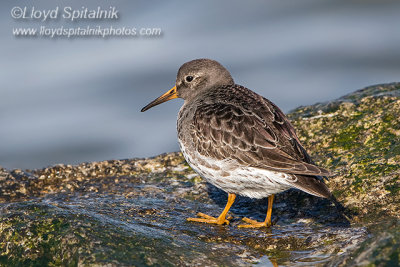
(238, 141)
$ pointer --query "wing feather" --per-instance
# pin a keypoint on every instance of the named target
(253, 131)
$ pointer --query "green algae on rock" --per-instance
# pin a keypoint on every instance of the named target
(138, 215)
(358, 138)
(132, 212)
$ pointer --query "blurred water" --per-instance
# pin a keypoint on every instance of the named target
(74, 100)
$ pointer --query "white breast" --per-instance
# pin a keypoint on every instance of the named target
(232, 177)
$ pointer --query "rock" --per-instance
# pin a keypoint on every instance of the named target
(133, 212)
(358, 138)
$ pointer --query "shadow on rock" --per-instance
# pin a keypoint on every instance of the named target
(289, 205)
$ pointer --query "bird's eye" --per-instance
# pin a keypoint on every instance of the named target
(189, 78)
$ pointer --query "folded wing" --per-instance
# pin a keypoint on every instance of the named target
(254, 134)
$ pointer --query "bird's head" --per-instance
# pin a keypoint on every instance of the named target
(193, 77)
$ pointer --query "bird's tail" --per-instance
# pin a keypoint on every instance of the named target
(312, 185)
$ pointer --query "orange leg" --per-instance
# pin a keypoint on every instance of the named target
(266, 223)
(221, 218)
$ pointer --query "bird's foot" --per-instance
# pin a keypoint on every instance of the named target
(209, 219)
(254, 223)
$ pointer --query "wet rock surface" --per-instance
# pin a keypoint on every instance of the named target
(133, 212)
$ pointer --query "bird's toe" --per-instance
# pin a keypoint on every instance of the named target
(209, 219)
(254, 224)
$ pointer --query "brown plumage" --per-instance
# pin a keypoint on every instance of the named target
(238, 140)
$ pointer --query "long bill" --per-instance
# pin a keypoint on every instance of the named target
(171, 94)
